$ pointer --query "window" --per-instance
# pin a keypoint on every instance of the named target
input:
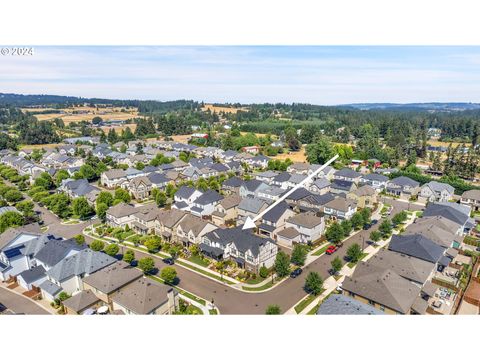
(382, 308)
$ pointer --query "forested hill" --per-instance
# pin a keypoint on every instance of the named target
(59, 101)
(435, 106)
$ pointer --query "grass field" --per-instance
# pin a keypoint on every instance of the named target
(225, 109)
(295, 156)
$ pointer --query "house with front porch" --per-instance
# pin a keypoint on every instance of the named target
(226, 211)
(248, 250)
(191, 229)
(436, 191)
(274, 220)
(403, 187)
(364, 196)
(471, 198)
(121, 215)
(309, 226)
(340, 208)
(140, 187)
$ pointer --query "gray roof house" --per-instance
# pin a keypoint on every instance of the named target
(403, 186)
(338, 304)
(436, 191)
(418, 246)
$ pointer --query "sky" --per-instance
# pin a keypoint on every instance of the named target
(324, 75)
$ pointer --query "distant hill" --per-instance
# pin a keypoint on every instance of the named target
(434, 106)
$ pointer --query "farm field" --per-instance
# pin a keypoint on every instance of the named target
(295, 156)
(218, 109)
(68, 116)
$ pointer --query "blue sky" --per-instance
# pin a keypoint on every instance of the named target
(318, 75)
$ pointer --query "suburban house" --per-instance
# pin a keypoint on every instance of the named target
(347, 174)
(384, 289)
(338, 186)
(159, 181)
(145, 217)
(120, 215)
(110, 279)
(205, 204)
(113, 178)
(185, 196)
(471, 198)
(166, 223)
(320, 186)
(436, 191)
(438, 229)
(417, 246)
(226, 211)
(144, 297)
(403, 187)
(251, 188)
(340, 208)
(364, 196)
(191, 229)
(266, 176)
(376, 181)
(274, 220)
(232, 185)
(457, 213)
(83, 302)
(69, 272)
(314, 203)
(31, 278)
(309, 226)
(249, 251)
(139, 187)
(78, 188)
(250, 207)
(271, 193)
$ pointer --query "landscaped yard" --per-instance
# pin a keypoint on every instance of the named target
(266, 286)
(196, 259)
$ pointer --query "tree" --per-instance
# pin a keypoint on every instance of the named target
(79, 239)
(97, 120)
(314, 283)
(13, 196)
(105, 197)
(112, 249)
(45, 181)
(153, 244)
(335, 233)
(282, 264)
(59, 176)
(102, 209)
(299, 254)
(86, 171)
(10, 219)
(347, 227)
(263, 272)
(366, 214)
(273, 310)
(357, 221)
(146, 264)
(161, 199)
(169, 274)
(354, 253)
(122, 195)
(336, 264)
(320, 151)
(385, 228)
(82, 208)
(97, 245)
(375, 236)
(26, 207)
(129, 256)
(399, 218)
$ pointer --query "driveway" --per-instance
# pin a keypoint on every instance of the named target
(20, 304)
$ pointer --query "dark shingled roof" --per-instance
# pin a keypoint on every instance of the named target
(418, 246)
(345, 305)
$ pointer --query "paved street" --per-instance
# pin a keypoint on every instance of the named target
(20, 304)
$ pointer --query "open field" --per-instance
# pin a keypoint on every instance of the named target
(295, 156)
(183, 139)
(218, 109)
(443, 143)
(119, 128)
(88, 113)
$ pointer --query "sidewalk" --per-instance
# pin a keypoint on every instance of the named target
(205, 308)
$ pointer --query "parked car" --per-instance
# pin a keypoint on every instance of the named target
(331, 249)
(367, 226)
(374, 222)
(296, 273)
(169, 261)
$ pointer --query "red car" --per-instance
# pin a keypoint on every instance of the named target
(331, 249)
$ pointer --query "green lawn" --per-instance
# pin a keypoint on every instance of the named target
(255, 281)
(304, 303)
(214, 276)
(321, 250)
(314, 310)
(213, 312)
(352, 264)
(198, 260)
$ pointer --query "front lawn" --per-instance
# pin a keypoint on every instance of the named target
(321, 250)
(266, 286)
(304, 303)
(196, 259)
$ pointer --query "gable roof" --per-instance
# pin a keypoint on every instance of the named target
(471, 194)
(121, 210)
(243, 240)
(448, 212)
(233, 182)
(375, 177)
(185, 192)
(230, 201)
(438, 187)
(12, 233)
(81, 301)
(86, 261)
(306, 220)
(347, 172)
(113, 277)
(253, 205)
(33, 274)
(208, 197)
(56, 250)
(404, 181)
(418, 246)
(193, 223)
(274, 214)
(340, 203)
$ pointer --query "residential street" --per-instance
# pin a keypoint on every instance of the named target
(20, 304)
